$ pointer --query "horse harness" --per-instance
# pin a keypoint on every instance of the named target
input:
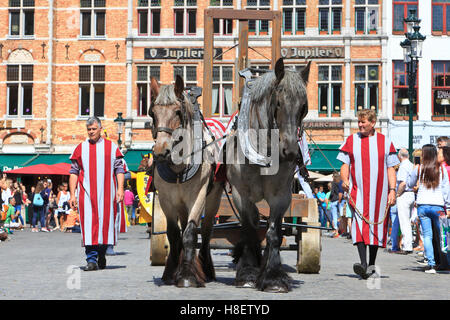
(165, 172)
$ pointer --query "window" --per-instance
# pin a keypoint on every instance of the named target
(330, 12)
(401, 11)
(92, 90)
(19, 82)
(21, 18)
(366, 16)
(188, 73)
(149, 17)
(441, 88)
(222, 26)
(294, 16)
(441, 16)
(93, 18)
(144, 74)
(330, 90)
(222, 91)
(185, 15)
(366, 87)
(400, 88)
(258, 27)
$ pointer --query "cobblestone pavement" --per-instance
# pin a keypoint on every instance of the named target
(46, 266)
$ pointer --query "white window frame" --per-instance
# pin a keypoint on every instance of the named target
(221, 95)
(259, 22)
(93, 13)
(186, 7)
(329, 83)
(330, 6)
(366, 83)
(91, 83)
(187, 83)
(367, 10)
(150, 8)
(294, 7)
(222, 22)
(147, 83)
(20, 95)
(21, 9)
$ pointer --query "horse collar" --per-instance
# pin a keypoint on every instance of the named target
(168, 175)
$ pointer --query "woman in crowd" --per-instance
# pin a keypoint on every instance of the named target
(38, 208)
(433, 196)
(63, 204)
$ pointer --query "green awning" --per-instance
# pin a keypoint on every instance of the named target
(50, 159)
(134, 157)
(14, 161)
(320, 154)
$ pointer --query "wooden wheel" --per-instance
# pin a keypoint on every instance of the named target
(159, 244)
(310, 245)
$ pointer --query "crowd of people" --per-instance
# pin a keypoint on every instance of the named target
(419, 220)
(39, 207)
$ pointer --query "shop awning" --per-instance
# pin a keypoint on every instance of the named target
(320, 154)
(43, 169)
(14, 161)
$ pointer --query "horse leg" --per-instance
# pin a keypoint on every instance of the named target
(211, 208)
(272, 277)
(174, 237)
(190, 273)
(247, 252)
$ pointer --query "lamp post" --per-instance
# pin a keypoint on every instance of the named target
(412, 51)
(120, 124)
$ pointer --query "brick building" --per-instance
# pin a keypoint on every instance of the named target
(64, 60)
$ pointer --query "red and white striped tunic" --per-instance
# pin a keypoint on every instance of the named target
(369, 158)
(96, 191)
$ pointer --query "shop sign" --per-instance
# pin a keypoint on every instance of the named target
(312, 52)
(179, 53)
(443, 94)
(323, 124)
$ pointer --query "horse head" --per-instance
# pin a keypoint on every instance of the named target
(282, 100)
(170, 110)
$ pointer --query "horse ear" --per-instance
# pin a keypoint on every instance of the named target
(154, 87)
(179, 86)
(305, 72)
(279, 69)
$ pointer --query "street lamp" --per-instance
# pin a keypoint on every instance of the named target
(412, 51)
(120, 124)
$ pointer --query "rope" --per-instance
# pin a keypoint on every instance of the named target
(259, 53)
(361, 216)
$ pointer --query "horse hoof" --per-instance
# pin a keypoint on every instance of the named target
(276, 289)
(246, 284)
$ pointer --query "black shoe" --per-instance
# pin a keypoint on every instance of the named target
(360, 270)
(101, 262)
(91, 266)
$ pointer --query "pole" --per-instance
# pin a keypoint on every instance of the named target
(411, 83)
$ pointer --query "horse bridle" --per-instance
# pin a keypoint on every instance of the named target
(167, 130)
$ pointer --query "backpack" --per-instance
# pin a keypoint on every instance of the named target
(37, 200)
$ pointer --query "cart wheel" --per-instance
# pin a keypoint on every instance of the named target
(309, 248)
(159, 245)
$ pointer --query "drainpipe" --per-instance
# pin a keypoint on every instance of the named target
(50, 75)
(129, 63)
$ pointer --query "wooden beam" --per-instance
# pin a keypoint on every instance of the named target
(276, 38)
(208, 64)
(241, 14)
(243, 54)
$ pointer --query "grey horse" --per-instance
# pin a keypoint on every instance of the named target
(279, 102)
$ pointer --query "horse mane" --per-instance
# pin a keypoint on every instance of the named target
(167, 97)
(261, 90)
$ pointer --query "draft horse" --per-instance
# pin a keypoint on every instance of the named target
(278, 101)
(185, 190)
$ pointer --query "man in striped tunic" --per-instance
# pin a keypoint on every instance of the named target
(97, 180)
(369, 177)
